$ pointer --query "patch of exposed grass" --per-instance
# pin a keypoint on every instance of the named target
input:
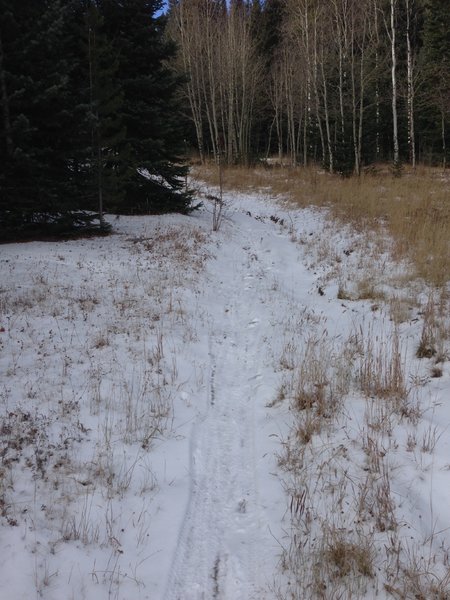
(346, 557)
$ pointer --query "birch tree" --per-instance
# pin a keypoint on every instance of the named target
(185, 28)
(339, 78)
(409, 5)
(392, 34)
(300, 18)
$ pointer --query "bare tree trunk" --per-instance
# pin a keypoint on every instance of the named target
(299, 38)
(237, 69)
(248, 73)
(340, 32)
(394, 85)
(410, 78)
(305, 138)
(361, 110)
(354, 107)
(290, 100)
(326, 111)
(358, 50)
(286, 96)
(280, 138)
(184, 28)
(211, 84)
(316, 91)
(269, 141)
(444, 149)
(277, 101)
(341, 94)
(377, 84)
(298, 140)
(308, 111)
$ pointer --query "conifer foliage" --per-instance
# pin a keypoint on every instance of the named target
(150, 111)
(88, 116)
(35, 185)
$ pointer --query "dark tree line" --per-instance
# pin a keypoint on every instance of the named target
(98, 96)
(341, 82)
(90, 120)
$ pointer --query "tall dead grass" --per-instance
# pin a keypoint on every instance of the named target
(413, 209)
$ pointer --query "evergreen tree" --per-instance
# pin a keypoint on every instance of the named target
(272, 21)
(153, 124)
(436, 66)
(98, 134)
(88, 117)
(36, 187)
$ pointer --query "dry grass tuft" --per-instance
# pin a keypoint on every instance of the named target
(381, 370)
(347, 558)
(435, 329)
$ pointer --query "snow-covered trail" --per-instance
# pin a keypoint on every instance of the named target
(225, 533)
(149, 438)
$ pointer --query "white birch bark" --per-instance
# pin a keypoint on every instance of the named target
(410, 80)
(393, 29)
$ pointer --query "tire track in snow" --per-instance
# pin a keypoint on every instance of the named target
(218, 544)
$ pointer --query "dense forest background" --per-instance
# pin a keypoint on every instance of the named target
(344, 83)
(102, 100)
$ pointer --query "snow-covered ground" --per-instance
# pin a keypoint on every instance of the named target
(239, 415)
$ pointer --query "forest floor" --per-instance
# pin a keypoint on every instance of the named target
(259, 412)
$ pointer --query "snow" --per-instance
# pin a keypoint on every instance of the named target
(148, 431)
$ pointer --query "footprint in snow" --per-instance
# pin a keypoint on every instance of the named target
(253, 377)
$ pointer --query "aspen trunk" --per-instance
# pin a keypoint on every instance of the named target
(444, 148)
(394, 85)
(327, 115)
(410, 78)
(316, 94)
(377, 85)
